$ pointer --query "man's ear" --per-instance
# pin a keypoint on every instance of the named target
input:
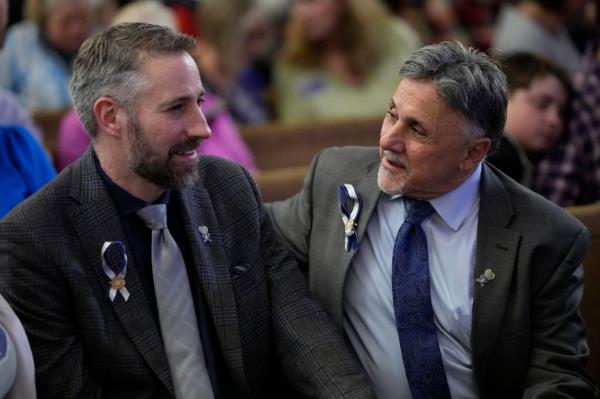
(476, 152)
(107, 112)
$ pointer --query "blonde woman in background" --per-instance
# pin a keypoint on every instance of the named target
(236, 37)
(36, 61)
(339, 59)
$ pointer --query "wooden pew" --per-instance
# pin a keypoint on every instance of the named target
(283, 152)
(281, 183)
(590, 305)
(282, 146)
(48, 122)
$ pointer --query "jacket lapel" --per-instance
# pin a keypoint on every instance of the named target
(96, 221)
(496, 250)
(213, 274)
(366, 186)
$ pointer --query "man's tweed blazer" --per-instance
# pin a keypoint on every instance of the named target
(527, 336)
(86, 346)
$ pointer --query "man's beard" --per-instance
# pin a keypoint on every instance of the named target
(150, 165)
(386, 180)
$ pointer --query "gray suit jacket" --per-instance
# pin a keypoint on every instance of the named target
(86, 346)
(527, 335)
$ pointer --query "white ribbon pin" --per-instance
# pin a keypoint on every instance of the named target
(347, 193)
(114, 264)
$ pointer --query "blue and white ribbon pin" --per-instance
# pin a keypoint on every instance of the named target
(114, 264)
(350, 205)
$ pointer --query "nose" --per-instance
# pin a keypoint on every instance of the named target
(392, 136)
(554, 118)
(197, 124)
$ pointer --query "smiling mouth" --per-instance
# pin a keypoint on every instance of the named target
(187, 149)
(392, 160)
(185, 153)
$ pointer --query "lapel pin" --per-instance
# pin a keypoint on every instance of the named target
(114, 264)
(487, 276)
(204, 234)
(350, 204)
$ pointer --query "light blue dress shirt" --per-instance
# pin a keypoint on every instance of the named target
(369, 320)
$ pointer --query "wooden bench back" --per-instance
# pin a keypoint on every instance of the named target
(590, 305)
(49, 122)
(283, 152)
(283, 146)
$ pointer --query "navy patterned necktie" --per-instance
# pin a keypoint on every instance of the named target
(413, 310)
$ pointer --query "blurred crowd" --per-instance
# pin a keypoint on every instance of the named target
(300, 61)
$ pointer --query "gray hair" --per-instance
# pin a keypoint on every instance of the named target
(107, 65)
(468, 81)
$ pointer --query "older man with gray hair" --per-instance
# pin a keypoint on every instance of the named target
(448, 278)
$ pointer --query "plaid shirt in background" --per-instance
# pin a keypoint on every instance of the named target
(570, 173)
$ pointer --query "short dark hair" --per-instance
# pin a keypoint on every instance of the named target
(107, 65)
(468, 80)
(522, 68)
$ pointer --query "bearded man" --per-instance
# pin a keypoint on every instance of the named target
(144, 270)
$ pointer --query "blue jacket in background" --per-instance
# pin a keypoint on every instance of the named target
(24, 167)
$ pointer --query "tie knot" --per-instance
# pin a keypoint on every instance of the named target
(155, 216)
(418, 211)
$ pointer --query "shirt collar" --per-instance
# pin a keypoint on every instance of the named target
(126, 203)
(453, 207)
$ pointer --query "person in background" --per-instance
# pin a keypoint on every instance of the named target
(570, 174)
(149, 11)
(145, 270)
(536, 26)
(228, 28)
(36, 61)
(449, 278)
(24, 167)
(539, 94)
(339, 59)
(18, 160)
(225, 140)
(11, 112)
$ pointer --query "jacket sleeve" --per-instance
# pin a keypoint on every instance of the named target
(292, 218)
(32, 284)
(559, 347)
(314, 356)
